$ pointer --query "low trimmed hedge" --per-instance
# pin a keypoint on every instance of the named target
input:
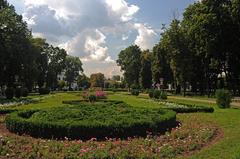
(187, 108)
(7, 111)
(85, 121)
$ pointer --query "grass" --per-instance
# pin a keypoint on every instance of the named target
(227, 120)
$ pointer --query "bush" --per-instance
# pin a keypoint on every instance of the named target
(9, 92)
(92, 98)
(163, 95)
(18, 92)
(24, 92)
(151, 93)
(85, 121)
(44, 91)
(135, 92)
(186, 108)
(223, 98)
(157, 94)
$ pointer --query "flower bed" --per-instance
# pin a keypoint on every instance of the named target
(86, 120)
(186, 108)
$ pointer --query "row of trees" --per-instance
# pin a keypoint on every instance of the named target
(28, 62)
(201, 51)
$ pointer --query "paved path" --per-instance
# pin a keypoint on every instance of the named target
(211, 101)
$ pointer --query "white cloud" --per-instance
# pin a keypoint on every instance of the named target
(121, 7)
(83, 27)
(146, 38)
(89, 45)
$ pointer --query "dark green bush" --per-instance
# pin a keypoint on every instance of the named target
(187, 108)
(151, 93)
(135, 92)
(18, 92)
(85, 121)
(24, 92)
(163, 95)
(44, 91)
(157, 94)
(92, 98)
(223, 98)
(9, 92)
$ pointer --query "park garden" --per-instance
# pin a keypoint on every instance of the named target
(178, 100)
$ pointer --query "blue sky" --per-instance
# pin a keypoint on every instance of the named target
(97, 30)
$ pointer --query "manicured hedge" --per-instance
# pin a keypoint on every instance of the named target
(86, 121)
(187, 108)
(6, 111)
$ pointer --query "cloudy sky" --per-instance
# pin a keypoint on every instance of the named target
(97, 30)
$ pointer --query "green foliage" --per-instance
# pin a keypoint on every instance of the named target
(9, 92)
(73, 68)
(135, 92)
(129, 60)
(86, 121)
(223, 98)
(97, 80)
(24, 92)
(187, 108)
(92, 98)
(157, 94)
(151, 93)
(18, 92)
(146, 72)
(61, 84)
(43, 91)
(163, 95)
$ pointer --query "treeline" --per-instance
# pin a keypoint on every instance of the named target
(29, 62)
(201, 51)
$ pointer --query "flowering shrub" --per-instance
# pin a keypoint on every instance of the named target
(100, 95)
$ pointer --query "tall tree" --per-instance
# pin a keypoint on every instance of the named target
(97, 80)
(161, 65)
(146, 72)
(56, 64)
(130, 62)
(176, 46)
(73, 69)
(14, 44)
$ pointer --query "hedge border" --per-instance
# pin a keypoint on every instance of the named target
(42, 129)
(190, 108)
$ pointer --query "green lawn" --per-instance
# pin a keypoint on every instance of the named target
(228, 120)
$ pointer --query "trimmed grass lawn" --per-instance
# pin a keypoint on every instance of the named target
(228, 120)
(228, 147)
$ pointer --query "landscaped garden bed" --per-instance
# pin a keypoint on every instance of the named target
(186, 108)
(87, 120)
(183, 140)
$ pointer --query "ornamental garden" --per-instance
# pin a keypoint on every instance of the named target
(180, 99)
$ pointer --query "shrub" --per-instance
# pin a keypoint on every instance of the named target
(18, 92)
(24, 92)
(85, 121)
(9, 92)
(186, 108)
(43, 91)
(135, 92)
(163, 95)
(92, 98)
(151, 93)
(223, 98)
(135, 86)
(157, 94)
